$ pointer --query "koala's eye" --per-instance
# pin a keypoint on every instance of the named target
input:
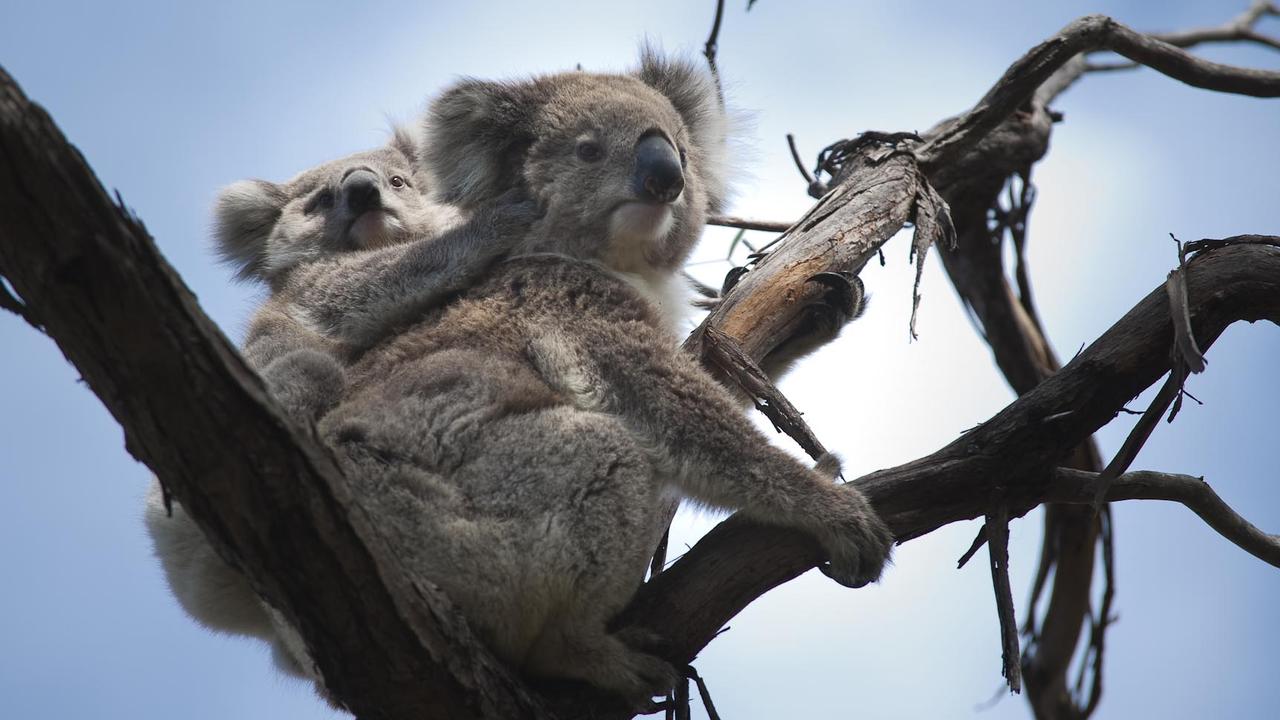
(589, 151)
(397, 181)
(684, 159)
(322, 200)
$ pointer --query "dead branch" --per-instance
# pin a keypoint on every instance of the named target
(1087, 34)
(748, 223)
(1074, 486)
(1238, 29)
(739, 560)
(997, 533)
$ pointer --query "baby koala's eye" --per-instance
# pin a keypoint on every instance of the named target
(684, 159)
(322, 200)
(397, 181)
(589, 151)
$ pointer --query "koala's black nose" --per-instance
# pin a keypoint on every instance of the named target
(659, 177)
(360, 191)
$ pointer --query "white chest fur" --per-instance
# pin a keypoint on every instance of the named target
(668, 293)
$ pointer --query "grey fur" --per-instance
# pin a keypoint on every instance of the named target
(339, 282)
(518, 445)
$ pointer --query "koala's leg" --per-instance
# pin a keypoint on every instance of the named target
(715, 456)
(211, 591)
(590, 500)
(536, 519)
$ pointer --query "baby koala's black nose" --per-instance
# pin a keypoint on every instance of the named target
(360, 191)
(659, 177)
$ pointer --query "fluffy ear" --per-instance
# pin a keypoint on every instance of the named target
(407, 141)
(244, 215)
(476, 135)
(694, 93)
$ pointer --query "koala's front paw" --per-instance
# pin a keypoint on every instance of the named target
(859, 546)
(633, 672)
(305, 382)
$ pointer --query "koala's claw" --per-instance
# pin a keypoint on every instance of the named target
(843, 296)
(848, 579)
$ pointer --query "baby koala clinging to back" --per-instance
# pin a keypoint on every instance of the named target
(349, 250)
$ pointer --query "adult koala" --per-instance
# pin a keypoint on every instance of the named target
(517, 444)
(349, 250)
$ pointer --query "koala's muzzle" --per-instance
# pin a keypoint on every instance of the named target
(659, 177)
(360, 191)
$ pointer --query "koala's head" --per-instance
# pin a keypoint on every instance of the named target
(362, 201)
(626, 166)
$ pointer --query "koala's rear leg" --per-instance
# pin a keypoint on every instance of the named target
(591, 497)
(718, 458)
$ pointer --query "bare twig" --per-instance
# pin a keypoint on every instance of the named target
(816, 188)
(978, 541)
(1184, 341)
(709, 50)
(1074, 486)
(1138, 436)
(748, 223)
(1237, 29)
(725, 353)
(998, 544)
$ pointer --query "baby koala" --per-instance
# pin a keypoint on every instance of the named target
(517, 447)
(349, 250)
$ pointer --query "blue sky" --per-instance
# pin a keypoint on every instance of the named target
(169, 102)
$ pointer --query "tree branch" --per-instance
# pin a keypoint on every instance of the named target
(389, 645)
(1087, 34)
(1075, 486)
(739, 560)
(748, 223)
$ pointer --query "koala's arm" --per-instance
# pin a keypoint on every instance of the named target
(716, 456)
(360, 299)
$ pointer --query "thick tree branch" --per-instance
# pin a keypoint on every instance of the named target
(738, 561)
(264, 491)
